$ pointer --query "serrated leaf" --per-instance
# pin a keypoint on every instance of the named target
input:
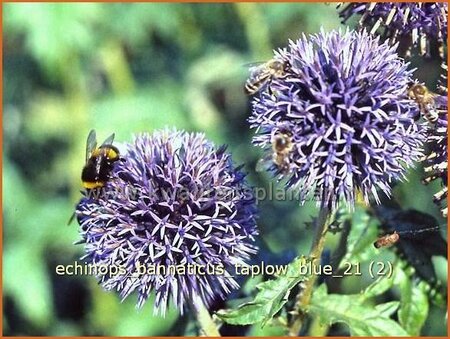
(413, 304)
(272, 296)
(387, 309)
(362, 318)
(380, 286)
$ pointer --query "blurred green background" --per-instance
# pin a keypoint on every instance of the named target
(127, 68)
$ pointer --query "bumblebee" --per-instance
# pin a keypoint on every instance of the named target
(262, 73)
(99, 161)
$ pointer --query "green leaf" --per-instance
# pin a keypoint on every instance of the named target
(380, 286)
(387, 309)
(272, 296)
(362, 235)
(362, 318)
(413, 304)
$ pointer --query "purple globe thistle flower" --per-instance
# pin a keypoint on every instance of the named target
(175, 201)
(343, 106)
(436, 156)
(418, 23)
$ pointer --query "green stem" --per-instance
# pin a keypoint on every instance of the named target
(207, 326)
(303, 297)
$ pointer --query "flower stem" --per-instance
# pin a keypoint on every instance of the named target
(207, 326)
(304, 296)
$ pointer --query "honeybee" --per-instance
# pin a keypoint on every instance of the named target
(387, 240)
(99, 161)
(263, 73)
(281, 146)
(426, 101)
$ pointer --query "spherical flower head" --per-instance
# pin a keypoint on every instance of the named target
(419, 22)
(344, 106)
(436, 155)
(173, 203)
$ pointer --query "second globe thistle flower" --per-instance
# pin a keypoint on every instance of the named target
(343, 105)
(419, 23)
(174, 201)
(435, 161)
(436, 155)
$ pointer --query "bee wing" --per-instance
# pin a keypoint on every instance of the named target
(264, 164)
(254, 64)
(109, 140)
(91, 144)
(255, 68)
